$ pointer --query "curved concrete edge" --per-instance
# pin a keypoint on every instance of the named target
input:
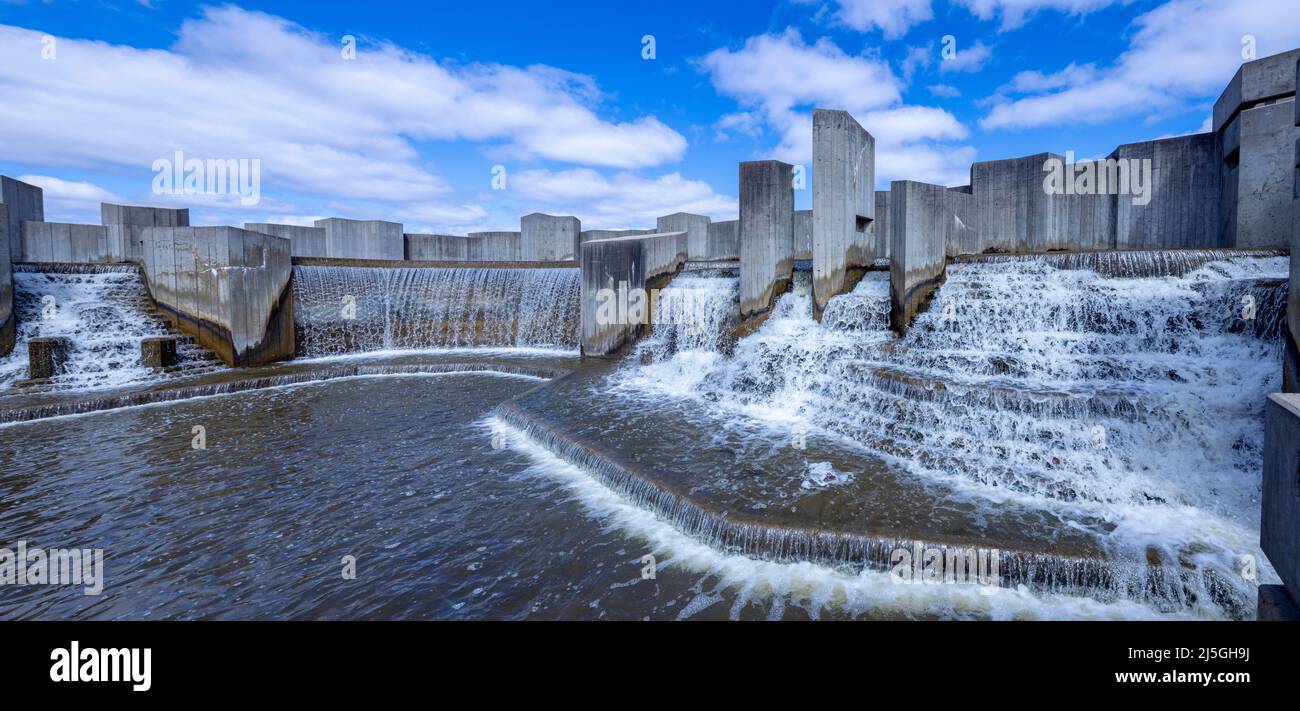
(748, 535)
(618, 276)
(332, 372)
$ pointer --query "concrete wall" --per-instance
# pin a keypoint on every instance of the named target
(803, 238)
(228, 288)
(766, 234)
(588, 235)
(442, 248)
(924, 219)
(549, 238)
(844, 202)
(1279, 530)
(696, 228)
(25, 202)
(303, 241)
(724, 239)
(8, 323)
(362, 239)
(1254, 119)
(880, 226)
(125, 225)
(1291, 361)
(623, 264)
(63, 242)
(499, 246)
(1184, 207)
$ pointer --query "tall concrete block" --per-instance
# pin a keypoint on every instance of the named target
(66, 243)
(1254, 119)
(803, 229)
(8, 321)
(724, 239)
(616, 272)
(499, 246)
(1279, 529)
(1291, 357)
(880, 225)
(124, 226)
(696, 228)
(549, 238)
(923, 220)
(766, 234)
(228, 288)
(25, 202)
(844, 203)
(303, 241)
(362, 239)
(1183, 211)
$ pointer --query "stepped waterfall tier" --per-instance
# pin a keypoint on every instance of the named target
(104, 312)
(341, 310)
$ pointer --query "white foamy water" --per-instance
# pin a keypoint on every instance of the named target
(102, 314)
(339, 310)
(1133, 402)
(818, 590)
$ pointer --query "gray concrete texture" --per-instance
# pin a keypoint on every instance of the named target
(63, 242)
(627, 263)
(880, 226)
(588, 235)
(766, 234)
(443, 248)
(844, 202)
(25, 202)
(303, 241)
(8, 322)
(1279, 531)
(549, 238)
(226, 287)
(803, 239)
(46, 357)
(362, 239)
(696, 228)
(724, 239)
(924, 220)
(499, 246)
(124, 226)
(158, 351)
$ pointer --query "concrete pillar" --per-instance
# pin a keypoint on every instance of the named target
(25, 202)
(921, 216)
(497, 246)
(696, 228)
(46, 357)
(362, 239)
(549, 238)
(1279, 529)
(724, 239)
(124, 226)
(618, 277)
(8, 320)
(1291, 356)
(766, 234)
(844, 203)
(803, 235)
(880, 225)
(303, 241)
(158, 352)
(1254, 119)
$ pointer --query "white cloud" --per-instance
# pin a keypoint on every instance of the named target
(944, 91)
(1015, 13)
(241, 84)
(967, 59)
(618, 201)
(1183, 51)
(892, 17)
(70, 199)
(782, 78)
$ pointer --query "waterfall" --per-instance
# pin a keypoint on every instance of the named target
(1126, 391)
(340, 310)
(695, 312)
(104, 311)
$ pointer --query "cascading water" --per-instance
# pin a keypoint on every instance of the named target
(1127, 406)
(104, 312)
(340, 310)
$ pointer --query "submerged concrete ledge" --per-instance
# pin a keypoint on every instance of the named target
(315, 375)
(852, 551)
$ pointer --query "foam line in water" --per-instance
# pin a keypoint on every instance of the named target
(817, 589)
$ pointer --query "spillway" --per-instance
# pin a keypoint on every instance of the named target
(340, 310)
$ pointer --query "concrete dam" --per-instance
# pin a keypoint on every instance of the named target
(987, 401)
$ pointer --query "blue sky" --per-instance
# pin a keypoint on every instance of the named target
(560, 95)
